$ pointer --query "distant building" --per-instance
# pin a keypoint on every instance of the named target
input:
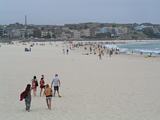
(76, 34)
(65, 29)
(66, 35)
(29, 32)
(93, 32)
(121, 31)
(104, 30)
(141, 27)
(46, 34)
(85, 33)
(14, 33)
(156, 31)
(1, 32)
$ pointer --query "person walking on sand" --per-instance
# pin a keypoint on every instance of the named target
(34, 85)
(56, 83)
(27, 96)
(42, 84)
(67, 51)
(110, 52)
(48, 93)
(100, 54)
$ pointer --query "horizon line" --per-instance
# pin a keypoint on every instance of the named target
(86, 23)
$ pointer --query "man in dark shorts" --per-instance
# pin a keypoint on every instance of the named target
(56, 83)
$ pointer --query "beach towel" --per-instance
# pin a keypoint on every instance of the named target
(23, 95)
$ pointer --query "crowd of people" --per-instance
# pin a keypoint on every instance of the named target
(46, 89)
(98, 49)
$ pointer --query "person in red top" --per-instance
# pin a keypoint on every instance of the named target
(42, 84)
(34, 85)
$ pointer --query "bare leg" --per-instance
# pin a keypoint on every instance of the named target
(47, 103)
(58, 93)
(50, 103)
(34, 92)
(54, 93)
(40, 92)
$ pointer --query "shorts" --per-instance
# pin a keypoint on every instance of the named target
(42, 86)
(56, 88)
(48, 97)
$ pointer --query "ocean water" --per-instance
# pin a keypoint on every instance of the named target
(141, 47)
(149, 47)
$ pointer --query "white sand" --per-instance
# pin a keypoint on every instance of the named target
(118, 88)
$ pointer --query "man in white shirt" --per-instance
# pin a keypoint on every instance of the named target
(56, 83)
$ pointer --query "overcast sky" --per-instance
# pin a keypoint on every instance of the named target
(79, 11)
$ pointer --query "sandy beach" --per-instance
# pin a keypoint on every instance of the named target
(122, 87)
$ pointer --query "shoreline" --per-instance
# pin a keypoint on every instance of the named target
(67, 43)
(83, 40)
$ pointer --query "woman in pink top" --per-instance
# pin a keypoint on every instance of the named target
(34, 85)
(42, 84)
